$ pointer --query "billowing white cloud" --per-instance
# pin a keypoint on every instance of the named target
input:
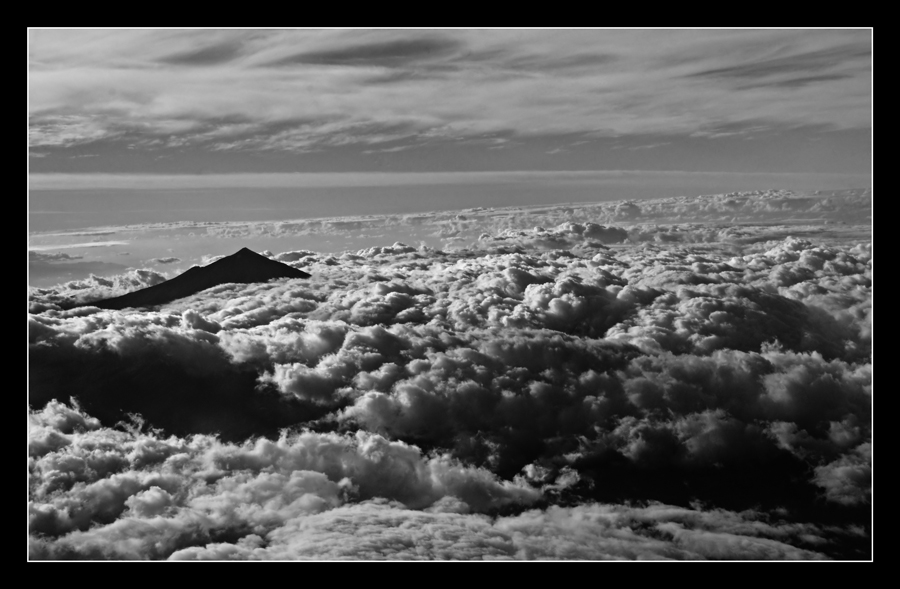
(103, 493)
(79, 292)
(513, 396)
(379, 530)
(156, 493)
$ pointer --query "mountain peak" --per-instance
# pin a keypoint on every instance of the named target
(244, 266)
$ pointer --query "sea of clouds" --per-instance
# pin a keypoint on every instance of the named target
(674, 379)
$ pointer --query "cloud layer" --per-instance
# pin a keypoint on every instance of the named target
(577, 391)
(738, 219)
(390, 95)
(741, 218)
(100, 493)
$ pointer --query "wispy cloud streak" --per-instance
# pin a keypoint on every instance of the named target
(299, 91)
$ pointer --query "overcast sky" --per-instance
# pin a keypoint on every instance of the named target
(214, 101)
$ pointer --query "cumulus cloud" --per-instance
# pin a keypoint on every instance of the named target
(156, 494)
(77, 292)
(380, 530)
(848, 479)
(105, 493)
(544, 393)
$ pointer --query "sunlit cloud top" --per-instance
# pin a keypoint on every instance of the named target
(414, 100)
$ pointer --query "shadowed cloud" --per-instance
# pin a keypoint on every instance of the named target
(801, 63)
(576, 61)
(210, 55)
(798, 82)
(392, 53)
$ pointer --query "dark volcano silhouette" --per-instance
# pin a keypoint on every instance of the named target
(244, 266)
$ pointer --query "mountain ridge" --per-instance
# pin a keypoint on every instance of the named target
(244, 266)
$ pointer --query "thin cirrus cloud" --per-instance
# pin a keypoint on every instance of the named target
(280, 92)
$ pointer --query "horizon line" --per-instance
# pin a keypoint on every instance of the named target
(144, 181)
